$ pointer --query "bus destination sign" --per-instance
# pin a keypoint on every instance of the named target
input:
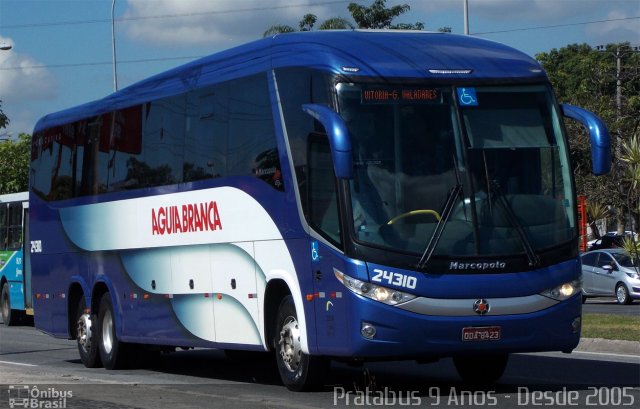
(392, 95)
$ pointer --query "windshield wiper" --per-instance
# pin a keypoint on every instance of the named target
(533, 258)
(437, 233)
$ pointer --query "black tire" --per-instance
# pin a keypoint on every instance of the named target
(298, 371)
(113, 353)
(481, 370)
(86, 337)
(9, 316)
(622, 294)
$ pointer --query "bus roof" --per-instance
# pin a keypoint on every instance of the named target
(386, 54)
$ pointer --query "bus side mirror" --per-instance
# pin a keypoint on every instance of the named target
(598, 134)
(339, 140)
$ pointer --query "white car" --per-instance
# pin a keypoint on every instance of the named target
(610, 273)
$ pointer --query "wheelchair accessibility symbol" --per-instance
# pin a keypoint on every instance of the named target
(467, 97)
(315, 256)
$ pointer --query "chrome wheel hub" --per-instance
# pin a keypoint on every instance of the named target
(107, 332)
(289, 344)
(84, 332)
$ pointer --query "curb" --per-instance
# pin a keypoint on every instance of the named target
(609, 345)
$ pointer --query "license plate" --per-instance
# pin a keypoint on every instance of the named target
(481, 333)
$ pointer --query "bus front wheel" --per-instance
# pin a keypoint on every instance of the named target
(298, 370)
(113, 352)
(481, 370)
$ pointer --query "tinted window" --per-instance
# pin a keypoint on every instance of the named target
(14, 233)
(298, 86)
(3, 226)
(222, 130)
(605, 260)
(206, 133)
(590, 259)
(323, 212)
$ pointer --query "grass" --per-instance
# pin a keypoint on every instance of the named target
(611, 327)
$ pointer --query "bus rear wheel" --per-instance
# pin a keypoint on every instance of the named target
(298, 370)
(481, 370)
(113, 352)
(86, 336)
(9, 317)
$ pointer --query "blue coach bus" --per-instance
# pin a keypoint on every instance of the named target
(15, 271)
(347, 195)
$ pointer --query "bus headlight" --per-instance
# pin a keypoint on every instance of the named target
(375, 292)
(564, 291)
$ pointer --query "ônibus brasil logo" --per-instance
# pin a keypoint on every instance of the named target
(23, 396)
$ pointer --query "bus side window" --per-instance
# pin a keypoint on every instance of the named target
(3, 226)
(14, 236)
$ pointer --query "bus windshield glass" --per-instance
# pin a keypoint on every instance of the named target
(495, 154)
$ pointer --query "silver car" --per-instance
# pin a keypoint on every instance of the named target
(610, 273)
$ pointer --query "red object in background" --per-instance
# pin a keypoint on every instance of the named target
(582, 222)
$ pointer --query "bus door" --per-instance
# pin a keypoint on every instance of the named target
(26, 262)
(324, 217)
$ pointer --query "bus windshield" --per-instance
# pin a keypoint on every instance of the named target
(496, 154)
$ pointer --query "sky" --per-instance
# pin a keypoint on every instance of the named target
(61, 53)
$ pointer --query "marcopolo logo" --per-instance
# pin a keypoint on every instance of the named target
(477, 265)
(23, 396)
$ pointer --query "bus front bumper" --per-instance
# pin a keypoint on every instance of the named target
(379, 331)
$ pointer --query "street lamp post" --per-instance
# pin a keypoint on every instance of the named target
(466, 17)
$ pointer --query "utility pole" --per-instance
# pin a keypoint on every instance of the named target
(113, 45)
(619, 53)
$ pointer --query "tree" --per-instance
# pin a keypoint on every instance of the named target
(278, 29)
(307, 22)
(595, 212)
(4, 121)
(584, 76)
(14, 164)
(376, 16)
(336, 23)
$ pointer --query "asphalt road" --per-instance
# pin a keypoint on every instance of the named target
(36, 366)
(606, 305)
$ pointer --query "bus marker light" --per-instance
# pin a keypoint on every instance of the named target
(219, 296)
(309, 297)
(146, 296)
